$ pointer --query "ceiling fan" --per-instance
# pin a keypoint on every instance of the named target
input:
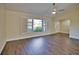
(55, 9)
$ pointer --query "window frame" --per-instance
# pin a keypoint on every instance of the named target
(41, 24)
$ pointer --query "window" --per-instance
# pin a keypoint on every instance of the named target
(36, 25)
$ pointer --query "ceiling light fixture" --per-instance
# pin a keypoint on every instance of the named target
(54, 9)
(54, 12)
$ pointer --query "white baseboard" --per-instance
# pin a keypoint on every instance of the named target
(64, 32)
(74, 37)
(2, 47)
(22, 37)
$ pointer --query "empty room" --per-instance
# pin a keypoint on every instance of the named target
(39, 28)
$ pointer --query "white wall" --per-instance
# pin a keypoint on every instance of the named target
(2, 27)
(65, 26)
(73, 15)
(74, 29)
(62, 26)
(15, 28)
(57, 26)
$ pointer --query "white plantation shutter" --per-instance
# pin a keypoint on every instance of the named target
(44, 25)
(23, 25)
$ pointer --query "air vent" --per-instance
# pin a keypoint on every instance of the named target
(61, 10)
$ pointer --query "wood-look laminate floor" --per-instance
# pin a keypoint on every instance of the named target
(58, 44)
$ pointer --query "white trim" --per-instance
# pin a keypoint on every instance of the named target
(64, 32)
(74, 37)
(2, 47)
(19, 38)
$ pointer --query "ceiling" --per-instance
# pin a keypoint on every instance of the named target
(43, 9)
